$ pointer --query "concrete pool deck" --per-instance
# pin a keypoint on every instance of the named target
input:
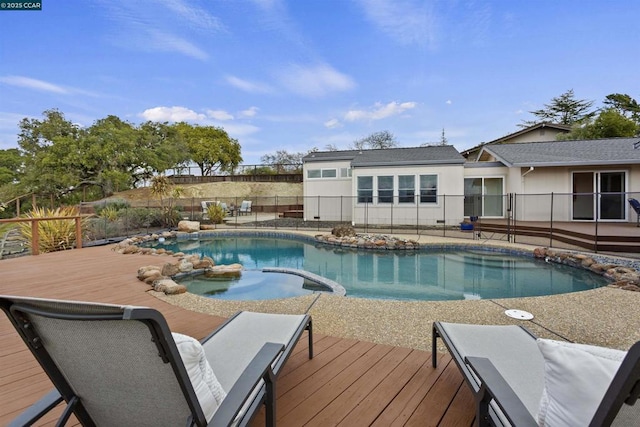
(606, 316)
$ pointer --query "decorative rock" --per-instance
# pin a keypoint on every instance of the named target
(143, 270)
(189, 226)
(540, 252)
(203, 263)
(170, 269)
(152, 277)
(231, 270)
(380, 242)
(207, 226)
(185, 266)
(169, 287)
(343, 231)
(133, 249)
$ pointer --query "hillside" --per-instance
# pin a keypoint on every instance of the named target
(219, 191)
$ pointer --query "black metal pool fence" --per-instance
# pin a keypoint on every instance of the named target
(497, 217)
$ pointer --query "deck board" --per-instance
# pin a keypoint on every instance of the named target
(348, 382)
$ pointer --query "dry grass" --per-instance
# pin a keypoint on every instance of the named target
(219, 191)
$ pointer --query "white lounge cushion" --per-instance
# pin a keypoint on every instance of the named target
(208, 390)
(576, 378)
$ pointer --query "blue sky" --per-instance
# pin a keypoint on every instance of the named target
(293, 75)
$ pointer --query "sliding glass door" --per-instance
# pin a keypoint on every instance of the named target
(599, 195)
(484, 197)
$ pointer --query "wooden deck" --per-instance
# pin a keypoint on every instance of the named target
(348, 382)
(595, 237)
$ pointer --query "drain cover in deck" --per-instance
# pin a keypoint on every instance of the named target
(519, 314)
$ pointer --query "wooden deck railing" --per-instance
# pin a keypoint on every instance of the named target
(35, 234)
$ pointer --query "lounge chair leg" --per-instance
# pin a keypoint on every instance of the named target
(270, 399)
(482, 407)
(310, 329)
(434, 347)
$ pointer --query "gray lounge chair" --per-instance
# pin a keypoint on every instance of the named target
(505, 370)
(245, 207)
(120, 365)
(635, 204)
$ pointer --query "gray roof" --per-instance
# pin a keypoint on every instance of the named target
(428, 155)
(568, 153)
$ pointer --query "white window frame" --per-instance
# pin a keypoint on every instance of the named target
(421, 189)
(369, 197)
(401, 190)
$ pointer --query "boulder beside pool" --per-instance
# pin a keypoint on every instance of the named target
(224, 271)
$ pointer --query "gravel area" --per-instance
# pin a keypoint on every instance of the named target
(607, 316)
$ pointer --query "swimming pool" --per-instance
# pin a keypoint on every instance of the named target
(428, 274)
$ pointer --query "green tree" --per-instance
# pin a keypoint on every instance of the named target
(564, 110)
(210, 147)
(625, 105)
(159, 147)
(377, 140)
(10, 166)
(610, 123)
(36, 137)
(283, 161)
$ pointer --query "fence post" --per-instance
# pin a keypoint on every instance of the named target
(35, 238)
(78, 233)
(514, 214)
(444, 215)
(597, 216)
(551, 223)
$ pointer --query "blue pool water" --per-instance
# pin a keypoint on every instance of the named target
(434, 275)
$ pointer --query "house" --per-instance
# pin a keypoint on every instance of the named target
(591, 179)
(536, 133)
(395, 185)
(535, 181)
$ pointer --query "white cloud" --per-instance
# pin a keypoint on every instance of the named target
(449, 102)
(144, 26)
(34, 84)
(167, 42)
(315, 81)
(237, 130)
(407, 21)
(249, 112)
(333, 124)
(247, 86)
(379, 111)
(219, 115)
(193, 15)
(171, 114)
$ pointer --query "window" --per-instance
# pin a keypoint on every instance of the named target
(365, 189)
(406, 188)
(385, 189)
(321, 173)
(345, 172)
(313, 173)
(428, 188)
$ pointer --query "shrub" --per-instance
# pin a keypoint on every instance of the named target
(54, 235)
(216, 213)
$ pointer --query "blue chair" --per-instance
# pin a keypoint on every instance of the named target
(636, 207)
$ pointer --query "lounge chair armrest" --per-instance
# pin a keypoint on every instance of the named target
(494, 386)
(259, 368)
(38, 409)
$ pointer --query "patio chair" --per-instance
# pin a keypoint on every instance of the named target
(120, 365)
(509, 371)
(636, 207)
(245, 208)
(205, 208)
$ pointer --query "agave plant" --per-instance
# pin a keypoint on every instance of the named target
(55, 234)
